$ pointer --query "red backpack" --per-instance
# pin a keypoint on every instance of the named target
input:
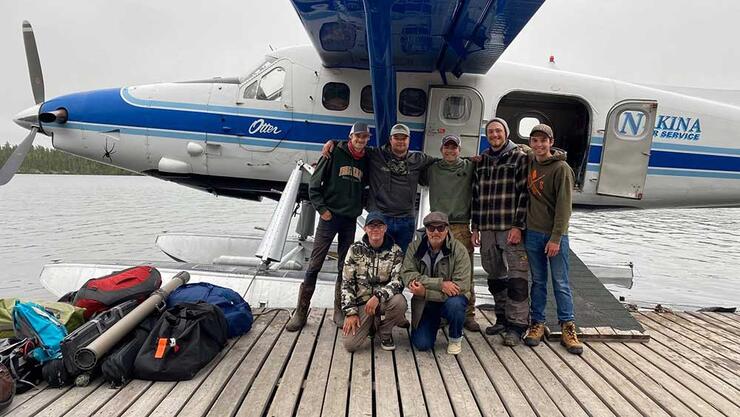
(100, 294)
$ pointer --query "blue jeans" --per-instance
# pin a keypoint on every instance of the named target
(453, 309)
(535, 243)
(401, 230)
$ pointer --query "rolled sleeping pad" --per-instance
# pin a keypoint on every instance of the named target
(87, 357)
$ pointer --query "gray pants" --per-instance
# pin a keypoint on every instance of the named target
(390, 313)
(508, 276)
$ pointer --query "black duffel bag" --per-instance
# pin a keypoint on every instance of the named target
(185, 338)
(118, 365)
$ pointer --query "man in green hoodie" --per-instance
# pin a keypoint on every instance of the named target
(450, 182)
(335, 191)
(550, 182)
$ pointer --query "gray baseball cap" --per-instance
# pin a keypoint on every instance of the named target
(359, 127)
(400, 128)
(542, 128)
(436, 217)
(451, 138)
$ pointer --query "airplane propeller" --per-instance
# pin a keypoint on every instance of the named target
(26, 118)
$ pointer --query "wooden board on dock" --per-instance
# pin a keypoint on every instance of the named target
(689, 368)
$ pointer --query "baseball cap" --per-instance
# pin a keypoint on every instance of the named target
(359, 127)
(400, 128)
(436, 217)
(450, 138)
(542, 128)
(374, 216)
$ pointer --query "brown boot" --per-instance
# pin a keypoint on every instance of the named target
(338, 313)
(535, 334)
(471, 324)
(569, 339)
(301, 311)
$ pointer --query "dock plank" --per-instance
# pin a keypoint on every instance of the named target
(337, 386)
(361, 388)
(433, 387)
(19, 399)
(125, 397)
(711, 322)
(729, 318)
(148, 401)
(730, 344)
(291, 382)
(71, 398)
(258, 397)
(385, 387)
(461, 397)
(38, 402)
(93, 402)
(410, 390)
(312, 397)
(237, 387)
(485, 393)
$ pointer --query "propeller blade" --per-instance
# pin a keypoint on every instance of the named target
(34, 64)
(16, 158)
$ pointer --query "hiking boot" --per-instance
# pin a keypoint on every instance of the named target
(301, 311)
(569, 339)
(535, 334)
(497, 328)
(404, 324)
(386, 342)
(338, 313)
(513, 336)
(471, 324)
(454, 346)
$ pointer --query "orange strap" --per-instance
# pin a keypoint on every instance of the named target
(161, 346)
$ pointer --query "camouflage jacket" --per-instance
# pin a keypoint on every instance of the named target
(369, 272)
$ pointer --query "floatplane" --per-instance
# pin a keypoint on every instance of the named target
(433, 65)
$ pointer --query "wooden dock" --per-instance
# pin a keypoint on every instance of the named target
(690, 367)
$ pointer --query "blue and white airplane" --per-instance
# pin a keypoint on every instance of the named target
(426, 63)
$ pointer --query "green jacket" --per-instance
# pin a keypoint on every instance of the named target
(550, 186)
(337, 183)
(369, 271)
(452, 264)
(451, 188)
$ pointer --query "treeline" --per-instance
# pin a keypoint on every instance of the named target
(41, 160)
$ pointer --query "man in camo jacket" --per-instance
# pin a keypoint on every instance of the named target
(371, 287)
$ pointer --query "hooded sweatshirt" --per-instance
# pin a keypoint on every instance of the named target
(451, 188)
(550, 184)
(337, 183)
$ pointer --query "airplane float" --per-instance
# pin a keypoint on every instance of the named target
(431, 64)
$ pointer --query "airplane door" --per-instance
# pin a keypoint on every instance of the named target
(626, 150)
(453, 110)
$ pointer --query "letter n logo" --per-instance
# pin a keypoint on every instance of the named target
(631, 123)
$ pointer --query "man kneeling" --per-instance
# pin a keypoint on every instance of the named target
(437, 271)
(371, 287)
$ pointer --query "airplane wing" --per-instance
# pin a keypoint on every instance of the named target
(385, 36)
(427, 35)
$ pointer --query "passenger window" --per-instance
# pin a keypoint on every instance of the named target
(335, 96)
(412, 102)
(525, 126)
(366, 99)
(456, 108)
(269, 87)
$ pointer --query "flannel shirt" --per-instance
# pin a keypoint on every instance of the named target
(500, 194)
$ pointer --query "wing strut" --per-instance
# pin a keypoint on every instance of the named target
(382, 68)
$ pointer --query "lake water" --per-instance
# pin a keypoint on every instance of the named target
(683, 258)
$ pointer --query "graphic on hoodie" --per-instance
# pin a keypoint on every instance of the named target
(536, 183)
(349, 172)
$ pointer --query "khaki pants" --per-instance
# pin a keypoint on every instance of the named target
(462, 233)
(508, 276)
(390, 314)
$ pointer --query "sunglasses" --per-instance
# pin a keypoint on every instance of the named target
(438, 228)
(375, 226)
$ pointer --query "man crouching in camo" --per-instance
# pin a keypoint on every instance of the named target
(371, 287)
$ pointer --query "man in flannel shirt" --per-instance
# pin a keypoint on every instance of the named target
(499, 212)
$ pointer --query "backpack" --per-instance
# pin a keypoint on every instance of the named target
(185, 338)
(118, 365)
(31, 321)
(237, 312)
(99, 294)
(24, 370)
(72, 317)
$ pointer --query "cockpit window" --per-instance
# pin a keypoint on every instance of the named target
(268, 87)
(259, 68)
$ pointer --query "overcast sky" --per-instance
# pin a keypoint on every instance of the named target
(91, 44)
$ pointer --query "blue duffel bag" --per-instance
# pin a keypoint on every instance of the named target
(238, 313)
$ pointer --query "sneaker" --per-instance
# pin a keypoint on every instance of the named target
(512, 336)
(535, 334)
(471, 324)
(386, 342)
(454, 346)
(569, 339)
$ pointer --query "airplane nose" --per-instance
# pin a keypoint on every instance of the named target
(28, 118)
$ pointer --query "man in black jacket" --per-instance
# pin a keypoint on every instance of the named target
(335, 190)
